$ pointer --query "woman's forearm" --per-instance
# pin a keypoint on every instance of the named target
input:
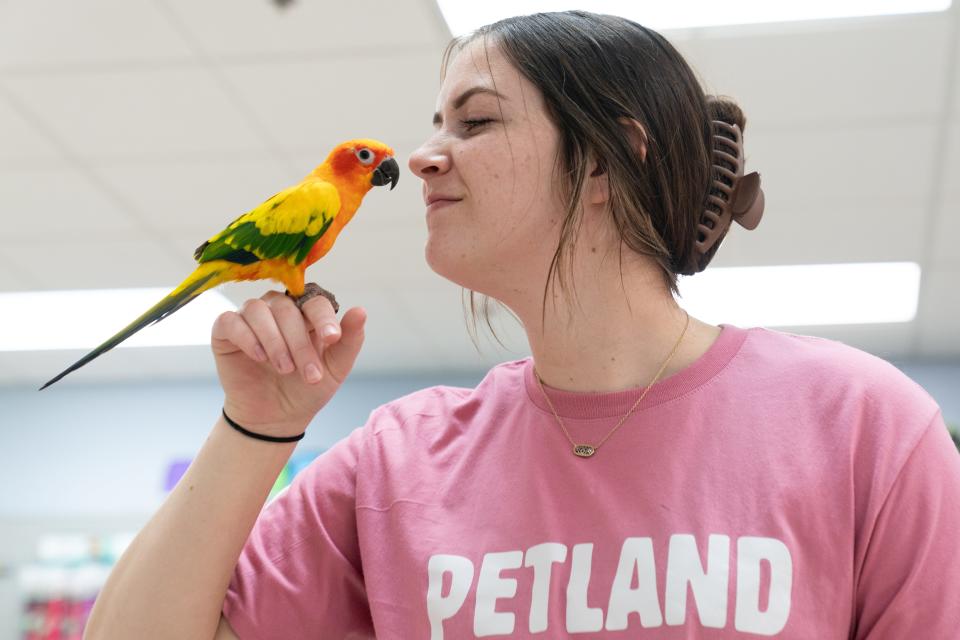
(171, 581)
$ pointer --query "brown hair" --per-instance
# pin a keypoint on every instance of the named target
(593, 70)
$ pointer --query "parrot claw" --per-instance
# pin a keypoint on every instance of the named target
(312, 290)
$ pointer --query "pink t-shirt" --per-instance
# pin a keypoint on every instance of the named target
(781, 485)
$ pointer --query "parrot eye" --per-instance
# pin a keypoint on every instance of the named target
(365, 156)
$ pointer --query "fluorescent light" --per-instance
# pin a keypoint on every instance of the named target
(856, 293)
(83, 319)
(463, 17)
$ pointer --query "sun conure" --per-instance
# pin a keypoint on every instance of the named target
(280, 238)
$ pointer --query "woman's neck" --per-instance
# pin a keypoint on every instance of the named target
(616, 338)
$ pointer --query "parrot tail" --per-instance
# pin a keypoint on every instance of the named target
(206, 276)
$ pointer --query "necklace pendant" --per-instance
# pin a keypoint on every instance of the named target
(584, 450)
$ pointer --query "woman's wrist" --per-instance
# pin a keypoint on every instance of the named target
(261, 436)
(272, 431)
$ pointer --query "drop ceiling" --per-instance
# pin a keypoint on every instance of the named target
(132, 130)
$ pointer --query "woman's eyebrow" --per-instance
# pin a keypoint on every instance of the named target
(466, 95)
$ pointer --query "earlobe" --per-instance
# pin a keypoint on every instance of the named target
(637, 135)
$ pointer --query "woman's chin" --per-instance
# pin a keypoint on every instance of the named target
(439, 261)
(455, 266)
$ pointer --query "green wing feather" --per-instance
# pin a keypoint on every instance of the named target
(284, 226)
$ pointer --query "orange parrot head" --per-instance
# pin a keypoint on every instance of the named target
(362, 163)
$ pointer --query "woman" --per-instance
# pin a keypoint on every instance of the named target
(801, 488)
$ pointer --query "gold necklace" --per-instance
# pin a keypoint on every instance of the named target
(586, 450)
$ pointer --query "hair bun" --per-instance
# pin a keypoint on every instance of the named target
(726, 109)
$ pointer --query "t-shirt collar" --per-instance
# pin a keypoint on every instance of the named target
(586, 405)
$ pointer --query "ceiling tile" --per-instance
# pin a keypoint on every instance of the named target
(945, 249)
(854, 162)
(824, 71)
(22, 144)
(196, 198)
(137, 115)
(394, 340)
(367, 252)
(45, 204)
(84, 260)
(12, 278)
(939, 337)
(443, 312)
(955, 10)
(951, 168)
(334, 27)
(323, 102)
(62, 33)
(835, 230)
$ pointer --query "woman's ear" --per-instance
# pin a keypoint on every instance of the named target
(637, 135)
(597, 185)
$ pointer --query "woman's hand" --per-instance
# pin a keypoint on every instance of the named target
(277, 366)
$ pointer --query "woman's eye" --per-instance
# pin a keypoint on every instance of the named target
(470, 125)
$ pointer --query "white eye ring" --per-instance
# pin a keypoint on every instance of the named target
(365, 156)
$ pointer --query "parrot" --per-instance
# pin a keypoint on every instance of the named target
(280, 238)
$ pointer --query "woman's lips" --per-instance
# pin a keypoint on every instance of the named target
(440, 203)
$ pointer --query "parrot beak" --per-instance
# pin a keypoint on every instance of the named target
(387, 171)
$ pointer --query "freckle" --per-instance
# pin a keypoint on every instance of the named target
(612, 359)
(496, 176)
(191, 487)
(593, 249)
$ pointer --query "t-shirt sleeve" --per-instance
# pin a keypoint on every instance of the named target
(299, 574)
(910, 577)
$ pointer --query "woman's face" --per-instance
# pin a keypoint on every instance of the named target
(488, 178)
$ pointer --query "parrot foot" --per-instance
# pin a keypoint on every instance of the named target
(312, 290)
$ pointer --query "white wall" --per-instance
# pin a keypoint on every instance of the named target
(93, 449)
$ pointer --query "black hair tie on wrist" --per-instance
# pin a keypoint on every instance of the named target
(260, 436)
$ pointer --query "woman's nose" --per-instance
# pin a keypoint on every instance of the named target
(429, 160)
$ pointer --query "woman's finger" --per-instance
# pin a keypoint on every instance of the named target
(321, 316)
(231, 333)
(294, 329)
(259, 316)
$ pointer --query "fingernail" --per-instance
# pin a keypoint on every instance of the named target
(285, 364)
(260, 353)
(312, 373)
(330, 330)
